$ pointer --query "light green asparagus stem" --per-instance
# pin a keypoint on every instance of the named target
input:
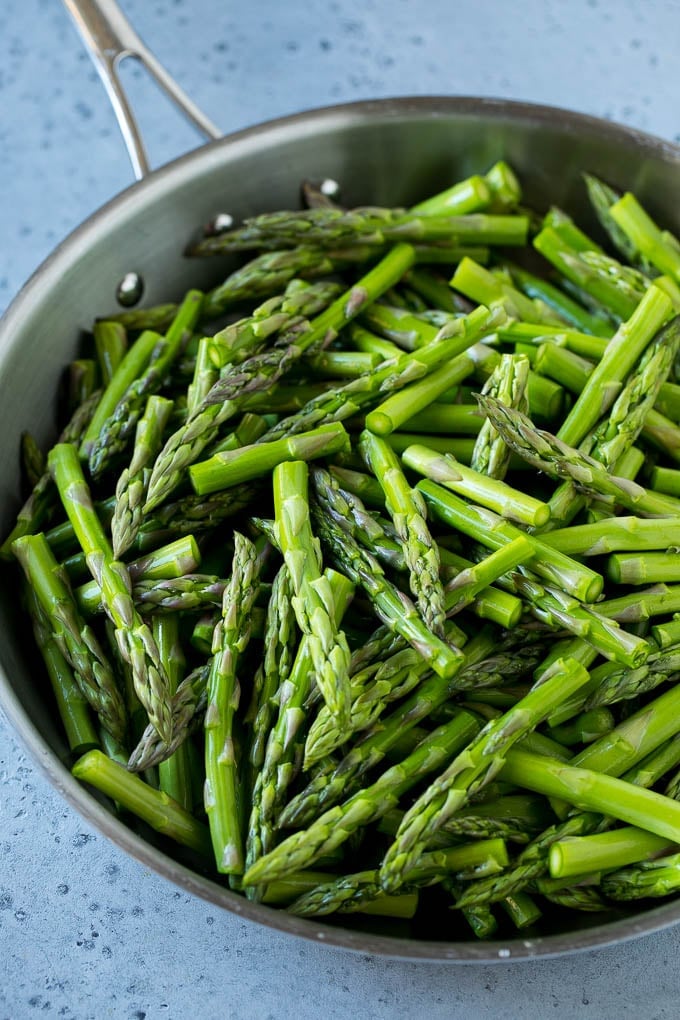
(507, 383)
(261, 371)
(152, 806)
(75, 639)
(402, 405)
(594, 791)
(188, 706)
(333, 228)
(119, 426)
(477, 765)
(230, 639)
(605, 851)
(274, 670)
(493, 532)
(349, 400)
(391, 605)
(279, 766)
(230, 468)
(132, 482)
(407, 510)
(485, 491)
(641, 230)
(72, 705)
(313, 599)
(571, 312)
(329, 788)
(335, 826)
(173, 773)
(42, 501)
(134, 637)
(483, 287)
(351, 892)
(548, 453)
(616, 534)
(651, 879)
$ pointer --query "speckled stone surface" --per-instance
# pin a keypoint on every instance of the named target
(85, 931)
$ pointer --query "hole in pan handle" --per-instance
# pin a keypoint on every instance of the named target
(109, 38)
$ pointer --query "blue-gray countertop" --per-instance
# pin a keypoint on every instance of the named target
(84, 930)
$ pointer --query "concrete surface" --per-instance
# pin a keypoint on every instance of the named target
(85, 931)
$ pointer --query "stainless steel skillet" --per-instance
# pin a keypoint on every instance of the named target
(388, 152)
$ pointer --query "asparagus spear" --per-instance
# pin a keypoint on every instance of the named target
(230, 639)
(313, 599)
(392, 606)
(650, 879)
(261, 371)
(347, 894)
(548, 453)
(188, 706)
(233, 467)
(274, 670)
(118, 427)
(493, 532)
(110, 341)
(346, 401)
(407, 510)
(32, 459)
(41, 503)
(643, 234)
(279, 766)
(485, 491)
(72, 704)
(473, 768)
(174, 772)
(75, 639)
(132, 482)
(507, 383)
(605, 851)
(333, 228)
(336, 825)
(156, 808)
(134, 637)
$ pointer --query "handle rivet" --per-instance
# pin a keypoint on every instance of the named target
(130, 290)
(329, 188)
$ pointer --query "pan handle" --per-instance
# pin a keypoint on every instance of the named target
(109, 39)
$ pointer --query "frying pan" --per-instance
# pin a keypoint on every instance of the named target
(388, 152)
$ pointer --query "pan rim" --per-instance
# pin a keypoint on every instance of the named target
(77, 241)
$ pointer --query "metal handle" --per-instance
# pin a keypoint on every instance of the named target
(109, 38)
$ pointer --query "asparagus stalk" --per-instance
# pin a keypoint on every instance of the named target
(336, 825)
(74, 639)
(279, 766)
(507, 383)
(349, 400)
(261, 371)
(594, 791)
(493, 532)
(132, 482)
(488, 492)
(643, 234)
(275, 668)
(174, 772)
(548, 453)
(72, 704)
(477, 765)
(391, 605)
(605, 851)
(154, 807)
(651, 879)
(407, 510)
(615, 534)
(41, 503)
(313, 599)
(333, 228)
(230, 639)
(327, 789)
(133, 636)
(118, 427)
(229, 468)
